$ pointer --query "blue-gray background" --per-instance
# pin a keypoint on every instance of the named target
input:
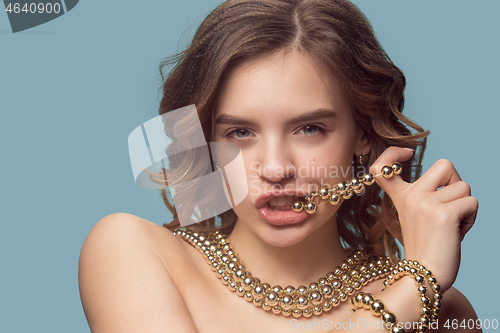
(73, 89)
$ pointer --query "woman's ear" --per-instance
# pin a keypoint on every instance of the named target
(362, 146)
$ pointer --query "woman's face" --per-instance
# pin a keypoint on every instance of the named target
(296, 134)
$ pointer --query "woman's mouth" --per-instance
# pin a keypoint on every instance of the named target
(278, 211)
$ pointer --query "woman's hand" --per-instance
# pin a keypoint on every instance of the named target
(433, 222)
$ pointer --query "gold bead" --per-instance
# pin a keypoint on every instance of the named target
(397, 168)
(272, 298)
(233, 265)
(335, 199)
(247, 283)
(302, 290)
(397, 329)
(277, 289)
(357, 285)
(258, 292)
(322, 281)
(266, 306)
(358, 299)
(302, 302)
(376, 307)
(367, 301)
(313, 286)
(248, 296)
(424, 320)
(298, 206)
(368, 179)
(348, 193)
(324, 193)
(341, 188)
(240, 291)
(387, 171)
(326, 290)
(310, 197)
(297, 313)
(290, 290)
(307, 313)
(286, 302)
(424, 300)
(311, 208)
(318, 310)
(240, 274)
(355, 184)
(422, 290)
(327, 306)
(426, 311)
(232, 286)
(316, 298)
(286, 313)
(388, 317)
(276, 310)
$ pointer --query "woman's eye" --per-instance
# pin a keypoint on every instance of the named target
(241, 133)
(312, 130)
(238, 134)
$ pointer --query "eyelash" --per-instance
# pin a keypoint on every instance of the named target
(230, 136)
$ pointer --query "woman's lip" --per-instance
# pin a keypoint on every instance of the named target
(265, 197)
(281, 217)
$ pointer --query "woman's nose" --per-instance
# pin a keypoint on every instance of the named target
(276, 161)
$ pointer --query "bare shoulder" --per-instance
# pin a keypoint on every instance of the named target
(457, 309)
(124, 280)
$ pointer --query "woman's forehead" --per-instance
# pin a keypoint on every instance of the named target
(290, 81)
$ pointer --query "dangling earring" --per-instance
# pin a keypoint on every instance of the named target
(217, 166)
(362, 159)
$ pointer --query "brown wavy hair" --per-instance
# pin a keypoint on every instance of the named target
(341, 41)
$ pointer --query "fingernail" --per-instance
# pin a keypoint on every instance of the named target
(410, 149)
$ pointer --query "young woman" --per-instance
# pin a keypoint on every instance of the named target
(298, 85)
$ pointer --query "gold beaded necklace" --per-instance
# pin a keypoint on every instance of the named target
(350, 275)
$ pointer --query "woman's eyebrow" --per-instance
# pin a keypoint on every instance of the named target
(225, 119)
(310, 116)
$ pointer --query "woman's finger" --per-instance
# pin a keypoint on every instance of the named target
(452, 192)
(469, 218)
(394, 184)
(465, 211)
(441, 173)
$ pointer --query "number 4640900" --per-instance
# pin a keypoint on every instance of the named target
(471, 324)
(33, 8)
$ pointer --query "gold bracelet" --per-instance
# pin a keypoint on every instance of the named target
(377, 307)
(419, 272)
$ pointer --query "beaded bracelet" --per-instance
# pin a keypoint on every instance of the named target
(419, 272)
(377, 307)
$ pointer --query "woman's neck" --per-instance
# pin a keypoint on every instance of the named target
(299, 264)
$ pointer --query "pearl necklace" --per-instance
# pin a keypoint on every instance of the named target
(350, 275)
